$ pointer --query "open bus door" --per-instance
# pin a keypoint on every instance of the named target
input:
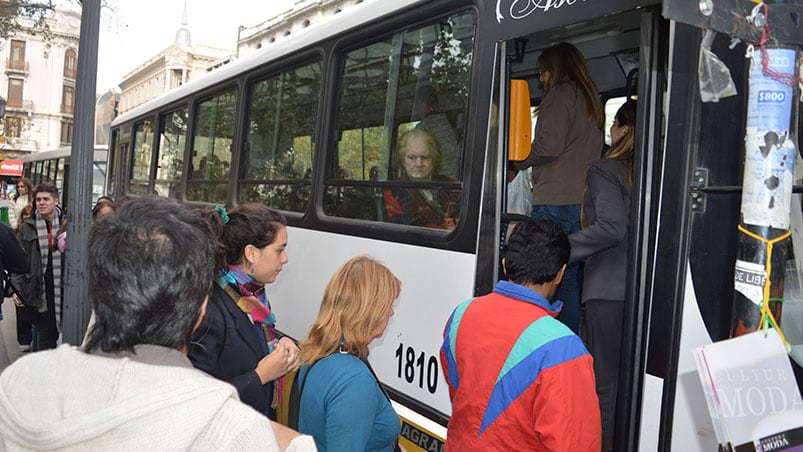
(617, 46)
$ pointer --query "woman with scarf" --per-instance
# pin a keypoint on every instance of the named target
(236, 340)
(420, 157)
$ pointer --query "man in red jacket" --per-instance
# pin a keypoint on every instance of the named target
(518, 378)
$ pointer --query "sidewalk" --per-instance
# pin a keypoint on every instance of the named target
(9, 349)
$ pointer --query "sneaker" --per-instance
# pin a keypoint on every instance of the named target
(25, 348)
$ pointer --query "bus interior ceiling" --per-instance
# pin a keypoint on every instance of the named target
(609, 44)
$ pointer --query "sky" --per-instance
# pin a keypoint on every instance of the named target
(143, 28)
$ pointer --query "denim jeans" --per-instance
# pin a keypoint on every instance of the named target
(568, 217)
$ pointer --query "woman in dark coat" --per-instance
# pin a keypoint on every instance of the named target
(602, 244)
(236, 340)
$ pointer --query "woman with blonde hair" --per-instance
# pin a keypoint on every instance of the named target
(568, 139)
(342, 404)
(602, 244)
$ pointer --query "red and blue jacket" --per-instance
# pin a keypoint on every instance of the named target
(518, 378)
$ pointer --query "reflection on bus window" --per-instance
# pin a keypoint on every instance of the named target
(170, 161)
(141, 158)
(98, 180)
(212, 148)
(417, 79)
(282, 113)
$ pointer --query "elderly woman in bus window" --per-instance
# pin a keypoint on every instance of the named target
(419, 156)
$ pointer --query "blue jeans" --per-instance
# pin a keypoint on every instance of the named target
(568, 217)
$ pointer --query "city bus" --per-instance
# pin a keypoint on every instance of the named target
(54, 166)
(308, 125)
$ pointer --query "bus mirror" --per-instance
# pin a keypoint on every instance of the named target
(520, 121)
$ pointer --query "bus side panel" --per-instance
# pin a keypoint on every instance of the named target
(406, 357)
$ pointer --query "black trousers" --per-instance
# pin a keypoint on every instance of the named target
(603, 337)
(26, 318)
(48, 328)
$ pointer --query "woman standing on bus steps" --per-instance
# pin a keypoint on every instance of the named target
(18, 202)
(568, 138)
(236, 340)
(602, 244)
(342, 404)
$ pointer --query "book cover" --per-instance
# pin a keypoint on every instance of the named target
(751, 393)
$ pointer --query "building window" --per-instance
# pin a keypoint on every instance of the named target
(17, 59)
(70, 63)
(66, 132)
(68, 100)
(15, 93)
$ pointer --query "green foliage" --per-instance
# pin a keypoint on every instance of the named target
(18, 15)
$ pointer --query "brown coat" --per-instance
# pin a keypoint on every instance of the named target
(566, 143)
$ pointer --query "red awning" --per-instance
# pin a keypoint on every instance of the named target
(11, 168)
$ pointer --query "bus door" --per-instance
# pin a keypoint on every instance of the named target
(617, 47)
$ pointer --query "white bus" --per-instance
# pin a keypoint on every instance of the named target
(308, 125)
(54, 166)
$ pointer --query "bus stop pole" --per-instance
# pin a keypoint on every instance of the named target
(76, 281)
(769, 174)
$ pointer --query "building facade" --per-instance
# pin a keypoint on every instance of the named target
(301, 15)
(38, 82)
(177, 64)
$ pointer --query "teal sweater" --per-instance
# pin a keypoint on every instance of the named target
(344, 409)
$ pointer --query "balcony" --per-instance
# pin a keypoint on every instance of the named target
(17, 67)
(26, 106)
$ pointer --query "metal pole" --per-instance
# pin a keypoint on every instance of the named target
(766, 192)
(76, 280)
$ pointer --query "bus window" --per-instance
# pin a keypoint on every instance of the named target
(172, 138)
(212, 148)
(282, 113)
(114, 153)
(141, 158)
(58, 174)
(423, 85)
(98, 180)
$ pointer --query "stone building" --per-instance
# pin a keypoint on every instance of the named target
(38, 83)
(177, 64)
(301, 15)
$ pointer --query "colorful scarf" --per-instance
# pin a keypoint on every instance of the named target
(250, 297)
(45, 248)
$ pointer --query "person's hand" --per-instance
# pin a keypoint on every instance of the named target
(282, 360)
(17, 301)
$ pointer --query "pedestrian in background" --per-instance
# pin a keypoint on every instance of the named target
(19, 200)
(40, 287)
(13, 259)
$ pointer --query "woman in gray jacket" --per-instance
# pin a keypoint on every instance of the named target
(602, 244)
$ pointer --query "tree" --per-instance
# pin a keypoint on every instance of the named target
(16, 15)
